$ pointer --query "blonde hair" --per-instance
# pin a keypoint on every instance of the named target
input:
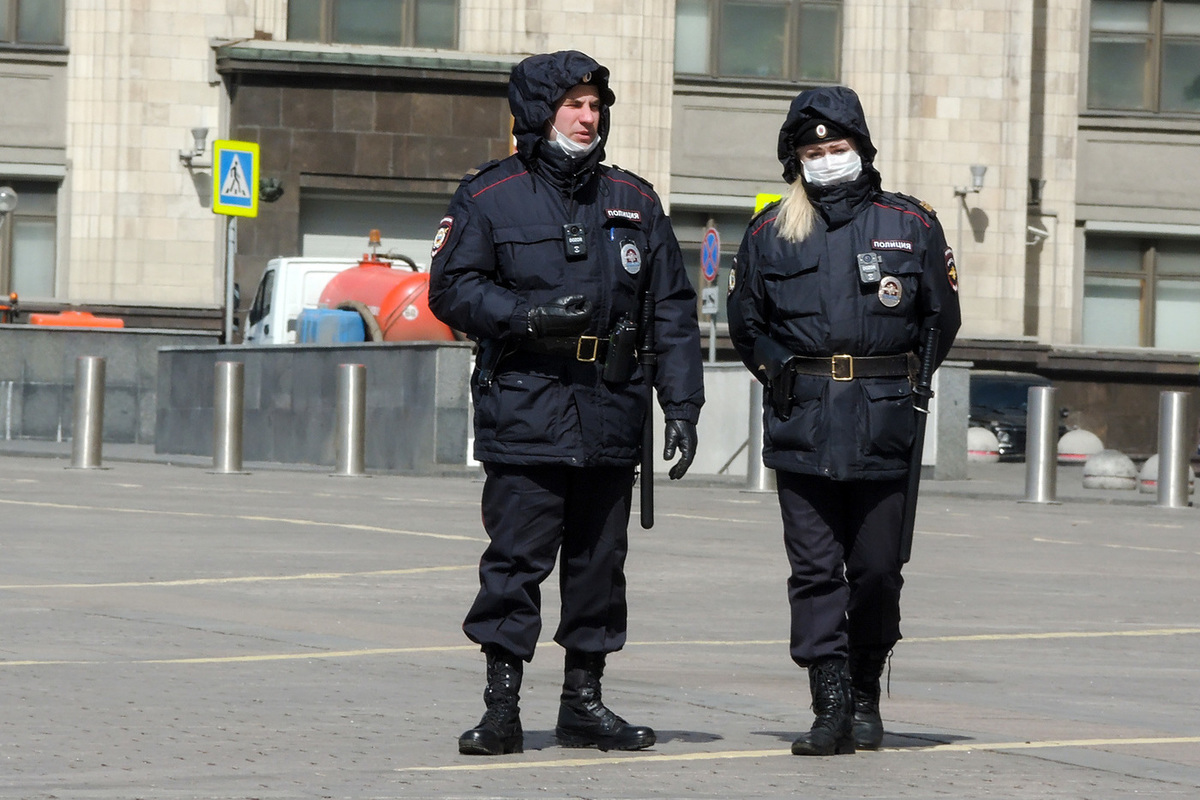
(796, 214)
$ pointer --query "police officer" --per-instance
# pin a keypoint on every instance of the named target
(830, 291)
(544, 258)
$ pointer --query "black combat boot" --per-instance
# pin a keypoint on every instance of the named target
(865, 668)
(499, 732)
(583, 720)
(833, 703)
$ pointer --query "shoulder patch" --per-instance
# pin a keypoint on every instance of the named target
(768, 213)
(474, 173)
(634, 175)
(921, 204)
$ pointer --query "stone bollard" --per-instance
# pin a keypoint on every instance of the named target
(982, 446)
(1148, 477)
(1109, 469)
(1075, 447)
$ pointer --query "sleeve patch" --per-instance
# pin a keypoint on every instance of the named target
(443, 234)
(951, 269)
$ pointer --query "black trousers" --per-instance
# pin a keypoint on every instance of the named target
(843, 544)
(532, 514)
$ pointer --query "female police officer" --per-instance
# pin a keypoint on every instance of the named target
(542, 258)
(830, 291)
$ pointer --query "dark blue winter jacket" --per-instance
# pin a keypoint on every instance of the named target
(500, 252)
(811, 297)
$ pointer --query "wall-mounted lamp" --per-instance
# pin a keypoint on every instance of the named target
(188, 157)
(8, 200)
(270, 189)
(8, 203)
(977, 173)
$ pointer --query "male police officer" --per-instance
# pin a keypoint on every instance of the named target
(831, 291)
(543, 258)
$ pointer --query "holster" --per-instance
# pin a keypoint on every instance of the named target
(622, 351)
(487, 358)
(773, 362)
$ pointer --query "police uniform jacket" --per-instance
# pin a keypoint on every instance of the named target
(500, 251)
(809, 296)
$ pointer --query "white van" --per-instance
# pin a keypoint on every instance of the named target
(288, 286)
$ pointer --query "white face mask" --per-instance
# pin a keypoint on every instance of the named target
(571, 147)
(833, 168)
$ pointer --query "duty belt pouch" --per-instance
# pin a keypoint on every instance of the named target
(622, 347)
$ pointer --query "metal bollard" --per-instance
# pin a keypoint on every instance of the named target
(227, 416)
(351, 419)
(88, 438)
(1041, 447)
(1172, 450)
(759, 477)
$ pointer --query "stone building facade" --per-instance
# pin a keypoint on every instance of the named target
(1078, 253)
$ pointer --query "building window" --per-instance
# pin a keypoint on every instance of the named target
(1142, 292)
(792, 40)
(1144, 55)
(31, 21)
(398, 23)
(28, 240)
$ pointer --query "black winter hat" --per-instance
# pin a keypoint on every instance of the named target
(838, 105)
(537, 83)
(818, 130)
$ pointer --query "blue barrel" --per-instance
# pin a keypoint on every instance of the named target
(329, 326)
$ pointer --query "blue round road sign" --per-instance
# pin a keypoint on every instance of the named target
(710, 253)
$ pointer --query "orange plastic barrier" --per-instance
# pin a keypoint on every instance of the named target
(76, 319)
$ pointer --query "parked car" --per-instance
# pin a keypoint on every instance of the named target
(1000, 403)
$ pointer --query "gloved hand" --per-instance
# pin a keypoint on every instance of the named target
(562, 316)
(682, 434)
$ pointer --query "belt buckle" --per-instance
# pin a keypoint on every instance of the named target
(579, 348)
(842, 368)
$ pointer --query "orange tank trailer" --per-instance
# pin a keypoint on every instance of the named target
(391, 299)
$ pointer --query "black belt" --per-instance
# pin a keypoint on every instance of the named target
(847, 368)
(577, 348)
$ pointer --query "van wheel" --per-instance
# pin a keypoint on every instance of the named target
(373, 331)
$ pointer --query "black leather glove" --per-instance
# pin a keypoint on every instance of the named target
(682, 434)
(562, 316)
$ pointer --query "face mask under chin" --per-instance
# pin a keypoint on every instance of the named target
(832, 169)
(571, 147)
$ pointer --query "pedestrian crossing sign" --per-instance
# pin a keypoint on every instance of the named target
(235, 178)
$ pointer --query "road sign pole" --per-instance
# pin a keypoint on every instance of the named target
(235, 194)
(712, 339)
(710, 260)
(230, 261)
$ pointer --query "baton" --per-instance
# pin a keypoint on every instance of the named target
(648, 360)
(922, 392)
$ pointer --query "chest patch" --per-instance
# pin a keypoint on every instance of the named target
(631, 257)
(892, 244)
(630, 215)
(890, 290)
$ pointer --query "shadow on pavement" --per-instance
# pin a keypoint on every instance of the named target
(544, 740)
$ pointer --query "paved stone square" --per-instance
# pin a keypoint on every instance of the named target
(167, 632)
